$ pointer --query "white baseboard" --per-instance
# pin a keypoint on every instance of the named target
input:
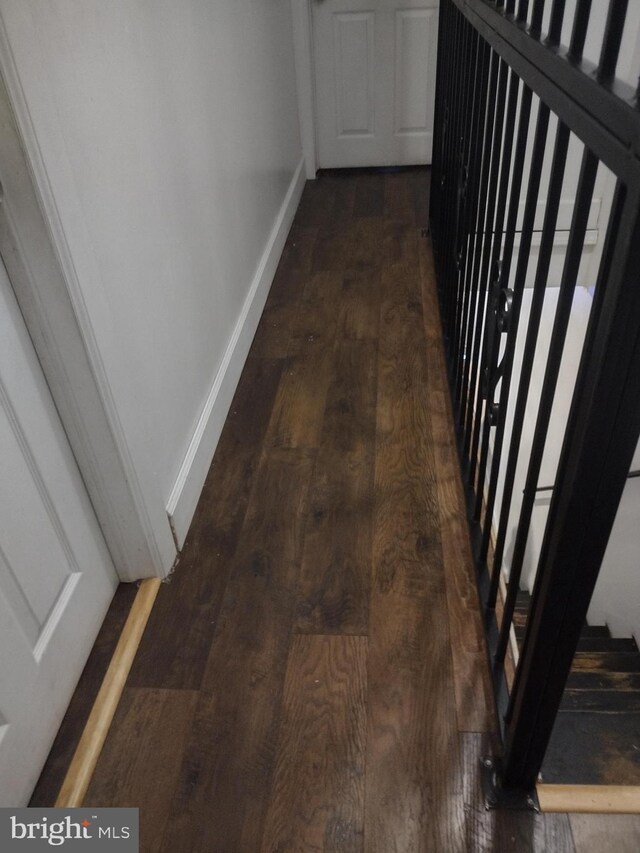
(193, 471)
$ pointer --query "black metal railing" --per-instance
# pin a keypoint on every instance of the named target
(511, 101)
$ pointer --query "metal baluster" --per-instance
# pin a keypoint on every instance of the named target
(479, 463)
(449, 212)
(557, 17)
(483, 278)
(436, 159)
(533, 189)
(471, 107)
(471, 223)
(554, 357)
(464, 366)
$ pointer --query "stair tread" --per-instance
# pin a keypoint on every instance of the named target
(607, 661)
(603, 701)
(523, 602)
(600, 708)
(596, 631)
(603, 680)
(623, 645)
(594, 748)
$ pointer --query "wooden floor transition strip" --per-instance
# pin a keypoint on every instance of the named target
(95, 732)
(590, 799)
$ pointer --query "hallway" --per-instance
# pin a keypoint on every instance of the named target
(313, 676)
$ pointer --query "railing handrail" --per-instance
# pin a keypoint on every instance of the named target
(571, 88)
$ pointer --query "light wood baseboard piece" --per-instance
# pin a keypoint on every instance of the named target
(97, 727)
(591, 799)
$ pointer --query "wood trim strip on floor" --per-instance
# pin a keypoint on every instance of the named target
(590, 799)
(97, 727)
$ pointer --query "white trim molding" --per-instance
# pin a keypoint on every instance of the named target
(195, 466)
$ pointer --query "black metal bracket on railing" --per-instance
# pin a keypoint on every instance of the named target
(499, 81)
(496, 796)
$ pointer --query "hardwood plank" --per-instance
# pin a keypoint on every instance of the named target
(474, 701)
(317, 797)
(296, 255)
(283, 303)
(405, 480)
(364, 245)
(503, 830)
(344, 194)
(246, 423)
(70, 731)
(316, 318)
(594, 833)
(359, 310)
(411, 734)
(277, 323)
(333, 240)
(399, 202)
(335, 578)
(402, 244)
(369, 197)
(413, 797)
(140, 762)
(318, 203)
(350, 414)
(331, 251)
(473, 691)
(188, 606)
(298, 410)
(354, 247)
(421, 186)
(308, 372)
(229, 759)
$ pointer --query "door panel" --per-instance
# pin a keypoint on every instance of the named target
(416, 45)
(56, 576)
(375, 66)
(353, 54)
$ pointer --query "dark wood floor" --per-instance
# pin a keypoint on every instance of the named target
(313, 676)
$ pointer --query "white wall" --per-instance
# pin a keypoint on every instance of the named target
(169, 134)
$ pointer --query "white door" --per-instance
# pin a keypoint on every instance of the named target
(375, 79)
(56, 576)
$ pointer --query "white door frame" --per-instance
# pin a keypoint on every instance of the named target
(39, 263)
(305, 81)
